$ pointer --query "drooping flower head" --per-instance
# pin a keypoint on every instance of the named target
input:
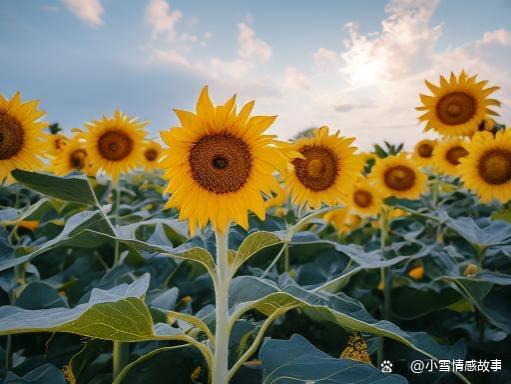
(448, 154)
(115, 144)
(458, 105)
(487, 167)
(327, 171)
(21, 136)
(398, 176)
(220, 163)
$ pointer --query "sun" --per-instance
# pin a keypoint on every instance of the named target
(398, 176)
(364, 199)
(448, 154)
(457, 106)
(486, 169)
(326, 173)
(21, 136)
(71, 157)
(220, 164)
(153, 154)
(423, 152)
(115, 144)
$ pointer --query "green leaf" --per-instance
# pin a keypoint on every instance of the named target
(116, 314)
(252, 244)
(485, 232)
(163, 366)
(70, 188)
(45, 374)
(74, 234)
(298, 359)
(339, 309)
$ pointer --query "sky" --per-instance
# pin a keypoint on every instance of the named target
(355, 66)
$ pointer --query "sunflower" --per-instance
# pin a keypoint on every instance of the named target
(55, 143)
(447, 156)
(487, 167)
(364, 199)
(398, 176)
(327, 170)
(72, 157)
(21, 135)
(457, 106)
(219, 164)
(115, 145)
(153, 153)
(423, 152)
(486, 125)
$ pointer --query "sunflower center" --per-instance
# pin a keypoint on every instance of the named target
(151, 154)
(77, 158)
(456, 108)
(11, 136)
(425, 150)
(454, 155)
(59, 143)
(318, 170)
(400, 178)
(115, 145)
(363, 198)
(220, 163)
(495, 166)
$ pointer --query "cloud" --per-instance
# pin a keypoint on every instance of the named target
(293, 78)
(250, 47)
(325, 59)
(159, 17)
(89, 11)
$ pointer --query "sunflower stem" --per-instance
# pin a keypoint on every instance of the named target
(222, 328)
(385, 279)
(121, 351)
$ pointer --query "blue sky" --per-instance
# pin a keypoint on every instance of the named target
(356, 66)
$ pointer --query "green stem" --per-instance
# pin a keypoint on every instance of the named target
(287, 265)
(121, 350)
(385, 279)
(222, 328)
(19, 281)
(117, 189)
(120, 356)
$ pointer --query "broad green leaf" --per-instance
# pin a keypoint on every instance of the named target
(116, 314)
(165, 365)
(45, 374)
(485, 232)
(164, 229)
(298, 359)
(70, 188)
(74, 234)
(39, 295)
(339, 309)
(252, 244)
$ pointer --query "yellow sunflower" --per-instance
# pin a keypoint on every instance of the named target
(364, 198)
(398, 176)
(72, 157)
(486, 125)
(447, 156)
(153, 153)
(327, 171)
(115, 145)
(219, 164)
(21, 135)
(457, 106)
(487, 167)
(423, 152)
(55, 143)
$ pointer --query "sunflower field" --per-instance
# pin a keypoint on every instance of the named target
(223, 254)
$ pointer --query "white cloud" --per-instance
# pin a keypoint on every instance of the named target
(250, 47)
(325, 59)
(294, 78)
(171, 57)
(159, 17)
(89, 11)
